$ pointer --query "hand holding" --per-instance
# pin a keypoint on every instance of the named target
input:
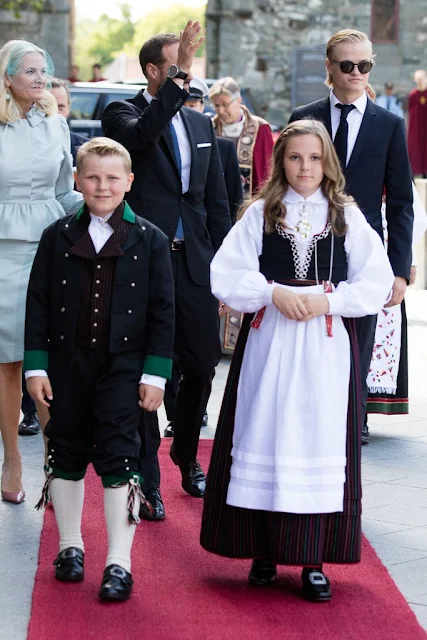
(150, 397)
(188, 45)
(289, 304)
(39, 389)
(399, 290)
(316, 305)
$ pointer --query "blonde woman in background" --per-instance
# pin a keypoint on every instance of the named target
(36, 188)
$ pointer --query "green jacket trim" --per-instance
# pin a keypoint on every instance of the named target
(128, 214)
(121, 479)
(158, 366)
(36, 360)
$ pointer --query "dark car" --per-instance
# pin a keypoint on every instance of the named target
(89, 99)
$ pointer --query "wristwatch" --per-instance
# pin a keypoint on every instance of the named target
(175, 72)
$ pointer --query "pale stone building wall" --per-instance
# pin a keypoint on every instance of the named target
(50, 29)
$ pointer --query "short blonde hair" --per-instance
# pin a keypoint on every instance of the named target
(227, 86)
(348, 36)
(103, 147)
(11, 55)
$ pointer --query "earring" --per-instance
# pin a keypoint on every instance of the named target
(7, 95)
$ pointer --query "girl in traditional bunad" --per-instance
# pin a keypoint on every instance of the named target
(284, 482)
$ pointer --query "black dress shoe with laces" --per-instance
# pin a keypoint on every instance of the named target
(69, 565)
(30, 425)
(116, 584)
(263, 572)
(316, 586)
(155, 499)
(193, 478)
(168, 432)
(366, 436)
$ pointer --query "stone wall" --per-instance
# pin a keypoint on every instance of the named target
(254, 41)
(49, 29)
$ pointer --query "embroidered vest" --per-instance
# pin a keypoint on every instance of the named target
(245, 147)
(280, 260)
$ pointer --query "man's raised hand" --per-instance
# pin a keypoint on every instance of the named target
(188, 45)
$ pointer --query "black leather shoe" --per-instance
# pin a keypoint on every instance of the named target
(155, 499)
(366, 436)
(263, 572)
(316, 586)
(116, 584)
(193, 478)
(168, 432)
(30, 425)
(205, 419)
(69, 565)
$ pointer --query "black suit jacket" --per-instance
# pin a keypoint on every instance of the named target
(143, 283)
(76, 141)
(379, 161)
(231, 169)
(156, 192)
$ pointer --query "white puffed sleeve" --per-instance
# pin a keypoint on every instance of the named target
(69, 199)
(235, 276)
(369, 274)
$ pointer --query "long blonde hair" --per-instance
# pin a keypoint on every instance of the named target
(11, 55)
(333, 183)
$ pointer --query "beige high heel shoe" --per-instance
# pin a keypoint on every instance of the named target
(16, 497)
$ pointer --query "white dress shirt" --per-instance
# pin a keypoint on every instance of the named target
(184, 145)
(354, 119)
(100, 231)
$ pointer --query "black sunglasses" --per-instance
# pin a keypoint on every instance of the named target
(347, 66)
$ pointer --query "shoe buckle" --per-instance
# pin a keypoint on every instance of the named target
(118, 572)
(317, 578)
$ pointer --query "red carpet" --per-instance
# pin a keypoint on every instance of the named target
(183, 593)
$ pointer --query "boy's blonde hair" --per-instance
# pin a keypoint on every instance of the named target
(103, 147)
(346, 36)
(11, 56)
(333, 183)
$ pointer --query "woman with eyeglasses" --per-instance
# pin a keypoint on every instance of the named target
(250, 133)
(371, 145)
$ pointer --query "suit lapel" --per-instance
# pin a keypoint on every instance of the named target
(324, 114)
(366, 131)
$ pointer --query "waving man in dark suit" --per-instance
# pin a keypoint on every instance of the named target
(371, 144)
(179, 186)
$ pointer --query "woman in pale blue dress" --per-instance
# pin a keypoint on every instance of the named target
(36, 188)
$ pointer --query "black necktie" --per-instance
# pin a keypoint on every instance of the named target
(340, 142)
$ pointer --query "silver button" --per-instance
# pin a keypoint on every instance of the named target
(98, 266)
(96, 310)
(132, 284)
(62, 309)
(135, 257)
(129, 310)
(53, 450)
(97, 281)
(66, 226)
(66, 255)
(96, 295)
(61, 337)
(127, 468)
(125, 339)
(126, 460)
(95, 324)
(64, 282)
(93, 339)
(143, 228)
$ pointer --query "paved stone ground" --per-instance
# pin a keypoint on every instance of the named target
(395, 494)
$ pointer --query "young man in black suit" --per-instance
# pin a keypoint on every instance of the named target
(371, 144)
(179, 186)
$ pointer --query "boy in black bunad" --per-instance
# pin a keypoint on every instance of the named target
(98, 348)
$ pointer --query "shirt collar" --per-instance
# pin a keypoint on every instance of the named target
(147, 96)
(102, 220)
(34, 116)
(292, 197)
(360, 103)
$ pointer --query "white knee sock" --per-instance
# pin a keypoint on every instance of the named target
(67, 499)
(120, 530)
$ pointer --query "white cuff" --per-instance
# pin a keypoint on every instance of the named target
(267, 294)
(32, 373)
(336, 303)
(154, 381)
